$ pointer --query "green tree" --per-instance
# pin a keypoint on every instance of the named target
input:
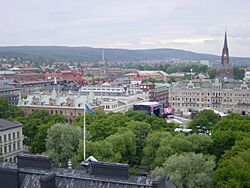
(228, 130)
(35, 128)
(103, 151)
(39, 140)
(153, 142)
(141, 130)
(204, 121)
(238, 73)
(233, 168)
(124, 142)
(158, 124)
(211, 73)
(161, 145)
(8, 110)
(106, 125)
(136, 115)
(62, 143)
(188, 170)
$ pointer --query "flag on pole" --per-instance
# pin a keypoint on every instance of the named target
(88, 110)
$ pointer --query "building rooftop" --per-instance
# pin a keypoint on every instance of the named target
(36, 171)
(5, 124)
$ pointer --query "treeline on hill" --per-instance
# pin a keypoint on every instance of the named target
(219, 158)
(88, 54)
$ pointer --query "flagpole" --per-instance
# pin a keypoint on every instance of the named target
(84, 133)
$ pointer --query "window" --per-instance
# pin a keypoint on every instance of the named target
(5, 138)
(0, 139)
(18, 145)
(5, 149)
(18, 134)
(9, 136)
(9, 148)
(14, 136)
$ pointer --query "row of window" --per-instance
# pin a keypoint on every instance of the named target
(202, 105)
(112, 106)
(61, 112)
(214, 94)
(10, 148)
(214, 100)
(12, 136)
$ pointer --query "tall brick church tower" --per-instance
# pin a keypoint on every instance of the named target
(225, 52)
(224, 70)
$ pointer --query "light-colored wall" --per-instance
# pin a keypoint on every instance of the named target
(224, 100)
(13, 145)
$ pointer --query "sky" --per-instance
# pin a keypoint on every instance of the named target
(195, 25)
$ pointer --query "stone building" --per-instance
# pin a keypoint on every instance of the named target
(116, 98)
(10, 93)
(157, 91)
(11, 139)
(221, 95)
(71, 104)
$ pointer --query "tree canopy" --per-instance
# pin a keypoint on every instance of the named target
(204, 121)
(62, 143)
(8, 110)
(188, 170)
(233, 169)
(35, 128)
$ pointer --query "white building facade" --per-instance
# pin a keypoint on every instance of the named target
(11, 140)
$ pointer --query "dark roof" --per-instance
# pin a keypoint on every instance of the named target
(5, 124)
(32, 177)
(3, 89)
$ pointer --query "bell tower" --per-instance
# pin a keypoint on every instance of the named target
(225, 52)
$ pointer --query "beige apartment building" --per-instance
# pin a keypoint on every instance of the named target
(11, 140)
(225, 96)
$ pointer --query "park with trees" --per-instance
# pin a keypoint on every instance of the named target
(220, 157)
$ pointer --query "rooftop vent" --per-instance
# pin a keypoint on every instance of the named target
(114, 170)
(33, 161)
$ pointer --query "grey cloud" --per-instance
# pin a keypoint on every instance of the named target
(118, 22)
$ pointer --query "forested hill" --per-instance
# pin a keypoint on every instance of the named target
(63, 53)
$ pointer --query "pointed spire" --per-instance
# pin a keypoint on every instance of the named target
(225, 40)
(225, 52)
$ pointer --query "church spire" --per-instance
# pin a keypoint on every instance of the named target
(225, 52)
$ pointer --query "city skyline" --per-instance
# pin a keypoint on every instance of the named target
(193, 25)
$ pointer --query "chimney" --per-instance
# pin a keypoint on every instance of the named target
(9, 178)
(48, 181)
(33, 161)
(114, 170)
(159, 182)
